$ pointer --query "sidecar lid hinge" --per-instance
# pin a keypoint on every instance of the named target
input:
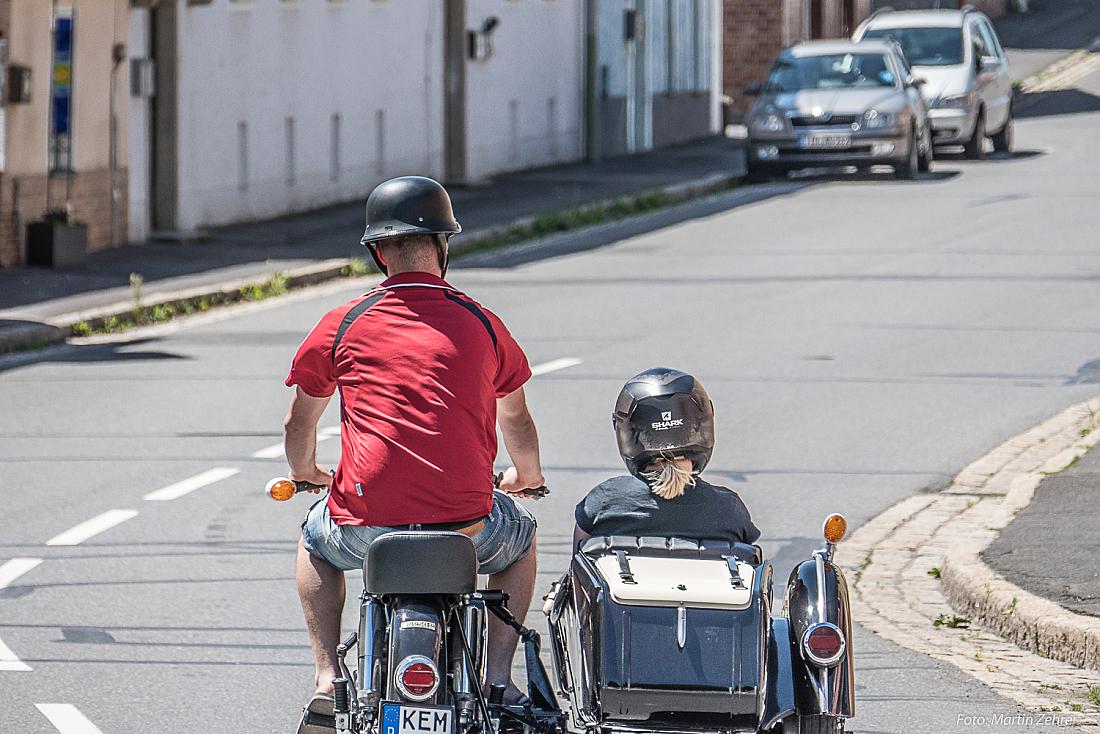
(624, 568)
(735, 575)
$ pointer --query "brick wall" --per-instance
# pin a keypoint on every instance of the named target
(753, 33)
(23, 199)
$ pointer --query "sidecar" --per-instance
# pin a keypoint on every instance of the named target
(677, 635)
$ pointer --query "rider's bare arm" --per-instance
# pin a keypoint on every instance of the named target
(300, 437)
(522, 441)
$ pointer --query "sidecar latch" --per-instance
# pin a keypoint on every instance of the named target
(624, 568)
(735, 576)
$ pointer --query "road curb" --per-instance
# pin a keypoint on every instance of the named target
(30, 336)
(919, 581)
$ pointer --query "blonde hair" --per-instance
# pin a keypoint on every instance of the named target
(667, 479)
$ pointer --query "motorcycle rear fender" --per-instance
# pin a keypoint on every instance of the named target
(417, 627)
(817, 592)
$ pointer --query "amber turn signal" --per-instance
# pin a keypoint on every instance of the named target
(835, 528)
(281, 489)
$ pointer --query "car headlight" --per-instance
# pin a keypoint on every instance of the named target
(768, 120)
(955, 101)
(875, 120)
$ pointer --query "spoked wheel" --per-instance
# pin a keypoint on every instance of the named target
(813, 725)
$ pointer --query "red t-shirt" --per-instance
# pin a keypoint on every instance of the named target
(419, 373)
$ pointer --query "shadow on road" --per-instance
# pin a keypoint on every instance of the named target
(87, 354)
(1060, 102)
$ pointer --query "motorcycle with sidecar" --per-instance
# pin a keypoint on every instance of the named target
(647, 635)
(677, 635)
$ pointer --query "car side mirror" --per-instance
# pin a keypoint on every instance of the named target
(987, 62)
(752, 89)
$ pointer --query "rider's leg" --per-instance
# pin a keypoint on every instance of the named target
(321, 588)
(518, 580)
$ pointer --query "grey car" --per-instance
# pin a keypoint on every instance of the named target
(839, 103)
(969, 88)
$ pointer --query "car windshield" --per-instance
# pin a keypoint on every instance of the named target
(926, 46)
(830, 71)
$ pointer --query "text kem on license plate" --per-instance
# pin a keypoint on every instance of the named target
(402, 719)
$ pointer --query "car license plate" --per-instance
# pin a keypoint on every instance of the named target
(397, 718)
(827, 140)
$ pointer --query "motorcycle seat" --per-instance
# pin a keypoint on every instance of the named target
(420, 562)
(669, 547)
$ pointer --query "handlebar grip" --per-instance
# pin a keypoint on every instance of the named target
(282, 489)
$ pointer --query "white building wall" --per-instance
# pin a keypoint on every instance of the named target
(525, 103)
(287, 105)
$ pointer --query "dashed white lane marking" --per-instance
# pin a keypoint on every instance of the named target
(275, 450)
(15, 568)
(10, 663)
(187, 486)
(79, 533)
(67, 719)
(554, 365)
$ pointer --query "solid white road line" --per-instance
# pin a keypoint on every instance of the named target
(10, 663)
(187, 486)
(554, 365)
(79, 533)
(15, 568)
(67, 719)
(275, 450)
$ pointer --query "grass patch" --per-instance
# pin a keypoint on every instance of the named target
(566, 220)
(934, 572)
(954, 621)
(358, 267)
(140, 315)
(1093, 695)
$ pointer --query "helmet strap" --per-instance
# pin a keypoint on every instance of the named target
(373, 250)
(444, 254)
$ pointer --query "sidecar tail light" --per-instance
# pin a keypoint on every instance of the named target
(417, 678)
(823, 644)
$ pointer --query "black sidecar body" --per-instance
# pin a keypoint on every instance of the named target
(677, 635)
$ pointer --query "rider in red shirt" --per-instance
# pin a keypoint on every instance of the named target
(424, 374)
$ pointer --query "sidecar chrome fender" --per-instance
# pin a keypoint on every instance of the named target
(817, 593)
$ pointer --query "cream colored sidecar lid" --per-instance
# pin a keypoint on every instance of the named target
(673, 582)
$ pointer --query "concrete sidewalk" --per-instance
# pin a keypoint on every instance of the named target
(1051, 548)
(35, 304)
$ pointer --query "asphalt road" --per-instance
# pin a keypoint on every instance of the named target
(862, 339)
(1063, 514)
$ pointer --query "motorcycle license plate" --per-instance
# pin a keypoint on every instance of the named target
(827, 140)
(399, 718)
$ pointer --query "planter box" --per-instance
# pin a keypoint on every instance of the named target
(57, 245)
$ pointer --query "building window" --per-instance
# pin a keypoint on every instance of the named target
(61, 94)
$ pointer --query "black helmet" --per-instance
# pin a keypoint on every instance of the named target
(663, 412)
(409, 205)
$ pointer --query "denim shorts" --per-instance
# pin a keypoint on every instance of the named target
(507, 536)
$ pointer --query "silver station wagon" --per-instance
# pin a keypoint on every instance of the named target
(839, 103)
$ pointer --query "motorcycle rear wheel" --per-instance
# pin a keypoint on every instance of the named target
(813, 725)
